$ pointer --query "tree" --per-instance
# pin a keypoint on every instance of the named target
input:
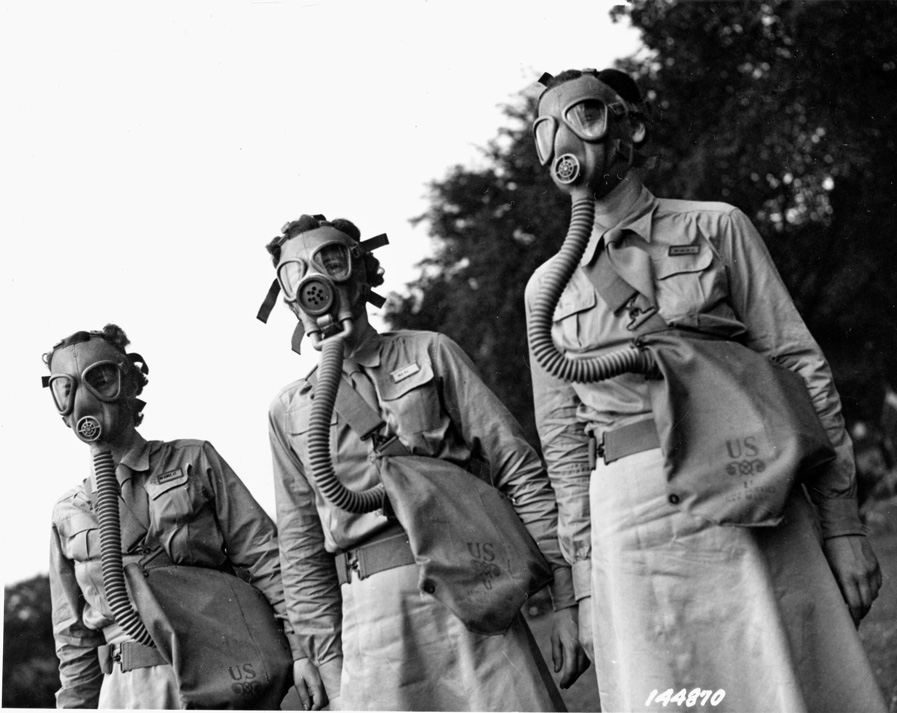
(787, 110)
(30, 667)
(492, 227)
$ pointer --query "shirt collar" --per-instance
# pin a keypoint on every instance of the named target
(137, 456)
(630, 207)
(135, 460)
(367, 350)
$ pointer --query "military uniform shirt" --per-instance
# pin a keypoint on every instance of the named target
(432, 398)
(196, 507)
(720, 278)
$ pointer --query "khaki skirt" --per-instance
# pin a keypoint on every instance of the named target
(680, 604)
(403, 650)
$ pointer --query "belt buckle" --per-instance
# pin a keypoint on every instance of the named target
(596, 450)
(352, 564)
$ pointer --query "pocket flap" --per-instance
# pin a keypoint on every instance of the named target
(680, 259)
(77, 522)
(159, 483)
(298, 420)
(407, 377)
(573, 303)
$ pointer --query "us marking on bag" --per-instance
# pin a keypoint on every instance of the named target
(170, 475)
(404, 372)
(482, 561)
(677, 250)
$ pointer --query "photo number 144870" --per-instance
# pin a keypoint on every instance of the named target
(687, 699)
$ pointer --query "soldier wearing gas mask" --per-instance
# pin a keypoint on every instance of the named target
(681, 610)
(180, 494)
(350, 577)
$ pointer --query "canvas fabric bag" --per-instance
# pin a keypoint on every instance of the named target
(737, 430)
(474, 553)
(217, 631)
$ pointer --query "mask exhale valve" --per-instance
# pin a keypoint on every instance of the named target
(566, 169)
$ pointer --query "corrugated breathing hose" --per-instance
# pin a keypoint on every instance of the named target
(329, 372)
(627, 359)
(110, 546)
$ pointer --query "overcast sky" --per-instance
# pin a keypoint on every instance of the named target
(148, 152)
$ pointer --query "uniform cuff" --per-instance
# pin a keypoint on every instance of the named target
(296, 647)
(562, 594)
(582, 579)
(839, 516)
(331, 671)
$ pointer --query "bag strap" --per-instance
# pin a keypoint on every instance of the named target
(619, 295)
(362, 418)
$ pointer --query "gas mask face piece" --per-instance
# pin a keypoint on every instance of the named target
(88, 388)
(575, 117)
(321, 274)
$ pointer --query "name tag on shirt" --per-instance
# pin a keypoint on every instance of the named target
(170, 475)
(404, 372)
(676, 250)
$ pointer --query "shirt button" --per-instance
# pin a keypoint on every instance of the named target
(674, 499)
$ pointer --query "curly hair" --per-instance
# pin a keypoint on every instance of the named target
(115, 336)
(372, 269)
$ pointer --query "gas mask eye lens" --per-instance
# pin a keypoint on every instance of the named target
(289, 274)
(544, 131)
(333, 259)
(104, 380)
(61, 387)
(588, 118)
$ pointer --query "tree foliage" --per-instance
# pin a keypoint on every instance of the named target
(492, 228)
(786, 109)
(30, 667)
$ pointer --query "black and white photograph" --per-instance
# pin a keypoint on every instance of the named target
(419, 355)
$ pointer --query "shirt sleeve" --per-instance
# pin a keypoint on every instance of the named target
(249, 535)
(313, 599)
(491, 432)
(76, 645)
(565, 449)
(775, 328)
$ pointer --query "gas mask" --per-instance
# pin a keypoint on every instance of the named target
(322, 276)
(579, 133)
(90, 390)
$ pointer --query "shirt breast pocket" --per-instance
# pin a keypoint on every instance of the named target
(298, 423)
(182, 517)
(570, 330)
(412, 402)
(79, 537)
(684, 278)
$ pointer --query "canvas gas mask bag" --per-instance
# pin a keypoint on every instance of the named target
(474, 553)
(736, 429)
